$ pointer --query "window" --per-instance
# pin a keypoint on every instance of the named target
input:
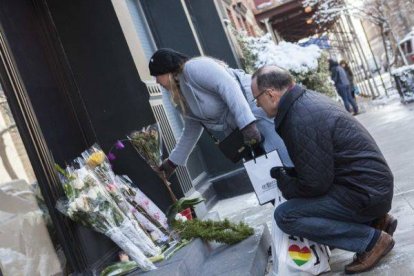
(409, 46)
(27, 240)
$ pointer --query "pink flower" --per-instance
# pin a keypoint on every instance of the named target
(111, 188)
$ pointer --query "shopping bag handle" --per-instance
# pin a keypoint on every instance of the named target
(254, 155)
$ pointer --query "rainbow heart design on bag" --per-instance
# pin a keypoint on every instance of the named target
(300, 255)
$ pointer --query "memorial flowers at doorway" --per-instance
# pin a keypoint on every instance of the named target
(94, 200)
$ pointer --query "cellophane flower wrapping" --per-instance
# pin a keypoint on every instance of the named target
(146, 212)
(91, 195)
(148, 143)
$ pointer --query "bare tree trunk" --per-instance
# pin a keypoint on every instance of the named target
(384, 43)
(3, 154)
(402, 18)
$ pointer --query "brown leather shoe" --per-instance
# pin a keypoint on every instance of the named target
(366, 261)
(387, 223)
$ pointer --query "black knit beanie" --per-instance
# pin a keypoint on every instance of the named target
(166, 60)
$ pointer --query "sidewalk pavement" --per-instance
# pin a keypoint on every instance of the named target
(392, 126)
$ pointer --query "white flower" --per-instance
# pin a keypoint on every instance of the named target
(180, 217)
(82, 203)
(155, 236)
(78, 183)
(92, 194)
(72, 206)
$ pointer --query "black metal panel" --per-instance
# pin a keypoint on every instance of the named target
(210, 30)
(59, 122)
(169, 25)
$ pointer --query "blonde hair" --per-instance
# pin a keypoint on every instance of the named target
(176, 95)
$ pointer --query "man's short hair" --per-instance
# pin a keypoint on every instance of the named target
(272, 77)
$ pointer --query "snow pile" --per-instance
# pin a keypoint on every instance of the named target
(286, 55)
(308, 65)
(401, 70)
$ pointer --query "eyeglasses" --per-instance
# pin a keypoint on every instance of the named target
(258, 96)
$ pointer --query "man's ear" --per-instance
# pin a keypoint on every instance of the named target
(273, 93)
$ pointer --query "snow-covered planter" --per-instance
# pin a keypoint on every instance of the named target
(309, 65)
(404, 78)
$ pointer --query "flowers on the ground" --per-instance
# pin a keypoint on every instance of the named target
(113, 206)
(94, 200)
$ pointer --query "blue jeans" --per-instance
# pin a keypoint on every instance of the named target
(345, 92)
(326, 221)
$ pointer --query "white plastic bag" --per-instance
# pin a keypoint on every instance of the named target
(296, 256)
(291, 255)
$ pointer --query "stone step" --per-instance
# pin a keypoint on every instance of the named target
(248, 257)
(232, 184)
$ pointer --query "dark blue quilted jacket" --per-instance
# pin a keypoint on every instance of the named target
(332, 153)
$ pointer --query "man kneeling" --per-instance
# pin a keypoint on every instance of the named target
(341, 188)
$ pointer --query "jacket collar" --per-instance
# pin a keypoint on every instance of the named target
(286, 101)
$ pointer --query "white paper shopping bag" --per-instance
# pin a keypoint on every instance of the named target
(258, 171)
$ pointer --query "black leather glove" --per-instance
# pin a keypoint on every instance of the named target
(251, 135)
(286, 180)
(278, 173)
(168, 167)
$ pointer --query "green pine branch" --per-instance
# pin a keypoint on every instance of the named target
(219, 231)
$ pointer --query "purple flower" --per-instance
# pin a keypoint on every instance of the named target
(119, 145)
(111, 156)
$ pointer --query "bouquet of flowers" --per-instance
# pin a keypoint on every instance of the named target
(148, 144)
(148, 215)
(90, 188)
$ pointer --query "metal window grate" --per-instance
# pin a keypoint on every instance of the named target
(160, 114)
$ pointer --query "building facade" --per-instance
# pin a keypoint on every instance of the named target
(76, 73)
(398, 21)
(240, 13)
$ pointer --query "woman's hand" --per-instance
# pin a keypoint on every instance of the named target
(167, 167)
(251, 135)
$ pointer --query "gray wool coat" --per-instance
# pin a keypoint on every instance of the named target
(214, 96)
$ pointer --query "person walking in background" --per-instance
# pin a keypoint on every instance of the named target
(342, 85)
(341, 187)
(207, 92)
(350, 76)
